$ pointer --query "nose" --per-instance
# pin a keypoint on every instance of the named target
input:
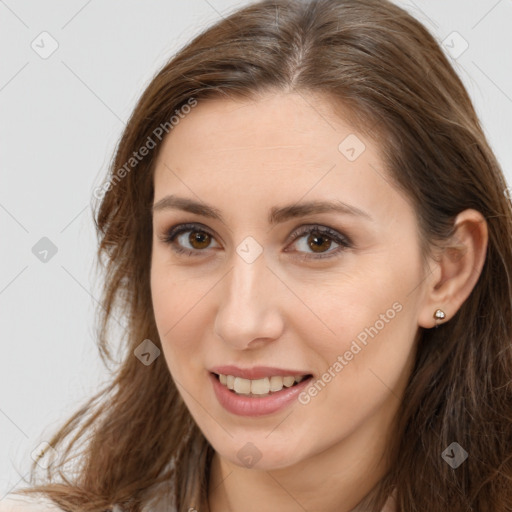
(249, 313)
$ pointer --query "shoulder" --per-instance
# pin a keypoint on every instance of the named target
(17, 503)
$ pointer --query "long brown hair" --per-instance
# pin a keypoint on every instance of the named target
(135, 439)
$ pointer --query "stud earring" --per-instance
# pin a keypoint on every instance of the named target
(439, 314)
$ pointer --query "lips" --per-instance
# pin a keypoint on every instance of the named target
(254, 405)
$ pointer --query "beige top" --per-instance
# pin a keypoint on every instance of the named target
(16, 503)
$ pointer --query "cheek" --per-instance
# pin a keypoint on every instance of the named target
(342, 306)
(363, 367)
(366, 318)
(373, 381)
(172, 294)
(178, 305)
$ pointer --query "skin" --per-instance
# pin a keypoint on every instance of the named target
(243, 158)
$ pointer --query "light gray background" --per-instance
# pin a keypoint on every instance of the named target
(61, 118)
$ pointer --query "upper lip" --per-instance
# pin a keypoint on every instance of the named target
(256, 372)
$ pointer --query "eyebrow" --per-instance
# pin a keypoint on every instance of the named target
(277, 214)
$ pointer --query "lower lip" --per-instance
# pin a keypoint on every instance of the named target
(248, 406)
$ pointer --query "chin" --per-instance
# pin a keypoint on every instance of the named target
(259, 453)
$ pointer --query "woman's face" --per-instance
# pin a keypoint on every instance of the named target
(263, 282)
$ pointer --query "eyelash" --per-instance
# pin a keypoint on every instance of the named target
(333, 235)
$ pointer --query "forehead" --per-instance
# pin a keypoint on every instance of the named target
(282, 133)
(278, 148)
(287, 122)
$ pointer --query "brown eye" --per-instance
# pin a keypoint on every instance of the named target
(318, 242)
(309, 240)
(200, 238)
(189, 238)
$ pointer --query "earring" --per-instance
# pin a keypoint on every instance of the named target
(439, 314)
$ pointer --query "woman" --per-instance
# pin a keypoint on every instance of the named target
(309, 235)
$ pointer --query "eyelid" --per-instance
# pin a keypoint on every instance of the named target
(185, 226)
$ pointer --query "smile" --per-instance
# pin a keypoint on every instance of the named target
(257, 397)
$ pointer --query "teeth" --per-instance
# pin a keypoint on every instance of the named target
(276, 383)
(258, 386)
(242, 386)
(288, 381)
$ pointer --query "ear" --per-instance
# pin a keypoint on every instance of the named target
(456, 269)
